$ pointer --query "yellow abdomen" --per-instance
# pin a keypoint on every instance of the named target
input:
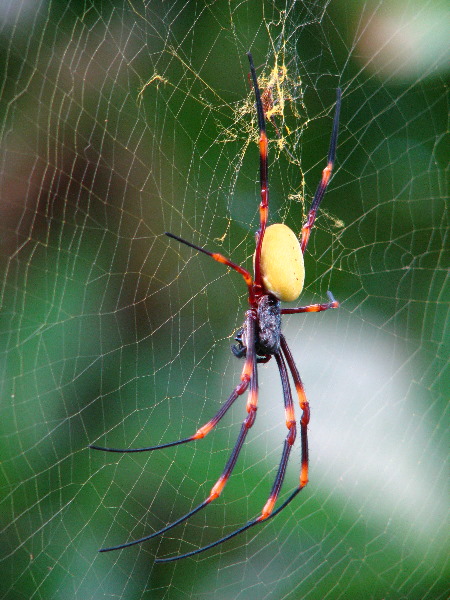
(282, 266)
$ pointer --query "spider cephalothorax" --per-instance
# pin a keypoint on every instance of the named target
(278, 277)
(268, 330)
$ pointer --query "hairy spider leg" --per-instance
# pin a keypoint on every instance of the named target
(268, 512)
(248, 376)
(263, 174)
(312, 307)
(225, 261)
(326, 175)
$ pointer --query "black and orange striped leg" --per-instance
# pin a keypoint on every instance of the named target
(225, 261)
(333, 303)
(304, 407)
(207, 427)
(248, 378)
(288, 442)
(200, 433)
(326, 175)
(252, 405)
(263, 172)
(267, 512)
(233, 533)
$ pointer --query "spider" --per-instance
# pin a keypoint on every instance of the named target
(278, 276)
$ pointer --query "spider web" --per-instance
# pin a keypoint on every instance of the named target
(122, 120)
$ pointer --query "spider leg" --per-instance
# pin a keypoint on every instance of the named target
(200, 433)
(326, 175)
(263, 173)
(267, 511)
(247, 379)
(313, 307)
(225, 261)
(207, 427)
(288, 442)
(233, 533)
(304, 407)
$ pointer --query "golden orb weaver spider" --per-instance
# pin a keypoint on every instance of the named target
(278, 276)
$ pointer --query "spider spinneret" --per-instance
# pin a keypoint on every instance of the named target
(279, 275)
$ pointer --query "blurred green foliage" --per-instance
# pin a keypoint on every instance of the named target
(121, 122)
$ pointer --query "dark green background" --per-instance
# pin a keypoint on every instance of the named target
(111, 333)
